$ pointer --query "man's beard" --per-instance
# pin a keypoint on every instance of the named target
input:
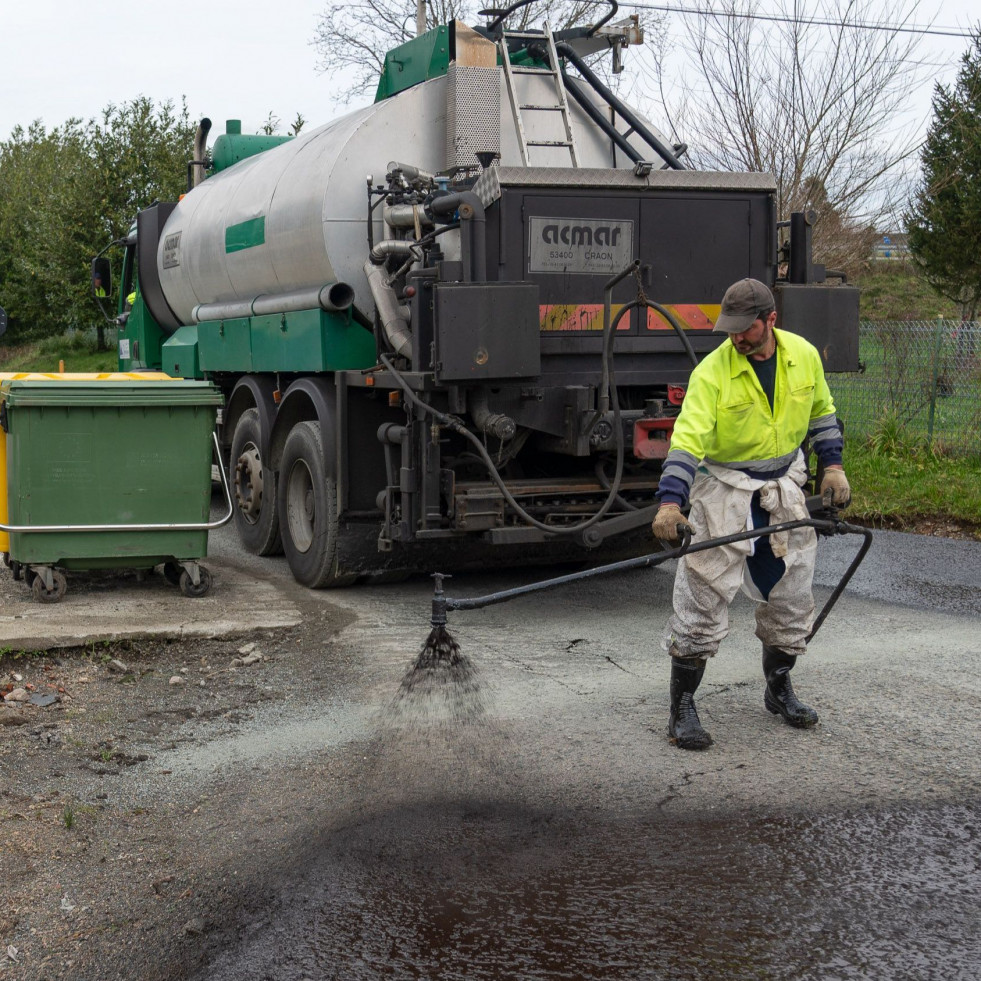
(756, 348)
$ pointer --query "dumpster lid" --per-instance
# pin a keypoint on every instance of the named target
(87, 376)
(95, 391)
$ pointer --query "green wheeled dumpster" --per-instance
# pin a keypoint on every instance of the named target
(106, 475)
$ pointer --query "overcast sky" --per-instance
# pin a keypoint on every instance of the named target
(231, 59)
(64, 58)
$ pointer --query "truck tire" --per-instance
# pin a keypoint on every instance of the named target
(254, 487)
(307, 503)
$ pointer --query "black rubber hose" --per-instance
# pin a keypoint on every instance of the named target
(678, 329)
(604, 482)
(451, 422)
(615, 7)
(503, 15)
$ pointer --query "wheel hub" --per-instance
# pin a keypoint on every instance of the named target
(301, 510)
(248, 484)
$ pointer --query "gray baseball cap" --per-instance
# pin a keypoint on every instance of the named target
(744, 301)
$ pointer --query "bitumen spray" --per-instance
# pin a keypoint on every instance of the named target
(442, 684)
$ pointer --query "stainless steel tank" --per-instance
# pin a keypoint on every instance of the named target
(294, 217)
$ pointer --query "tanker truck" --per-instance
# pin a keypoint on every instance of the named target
(454, 328)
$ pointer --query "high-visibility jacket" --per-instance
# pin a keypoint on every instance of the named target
(726, 417)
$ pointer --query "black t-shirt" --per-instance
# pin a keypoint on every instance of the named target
(766, 371)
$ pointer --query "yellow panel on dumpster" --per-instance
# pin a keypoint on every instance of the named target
(82, 376)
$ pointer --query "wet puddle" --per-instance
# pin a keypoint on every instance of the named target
(486, 890)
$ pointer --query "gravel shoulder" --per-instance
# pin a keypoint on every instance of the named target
(121, 840)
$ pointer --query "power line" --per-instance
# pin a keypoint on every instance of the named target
(783, 19)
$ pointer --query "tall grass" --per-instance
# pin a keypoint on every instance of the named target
(77, 349)
(900, 478)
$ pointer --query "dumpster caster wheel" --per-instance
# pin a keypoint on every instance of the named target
(44, 595)
(172, 573)
(6, 560)
(187, 585)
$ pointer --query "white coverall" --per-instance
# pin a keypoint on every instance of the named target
(707, 582)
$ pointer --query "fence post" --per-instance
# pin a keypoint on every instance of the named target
(938, 340)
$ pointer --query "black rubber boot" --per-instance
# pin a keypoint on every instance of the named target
(779, 697)
(684, 729)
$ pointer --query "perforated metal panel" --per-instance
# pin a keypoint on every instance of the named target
(473, 114)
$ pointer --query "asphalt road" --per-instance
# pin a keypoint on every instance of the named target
(542, 826)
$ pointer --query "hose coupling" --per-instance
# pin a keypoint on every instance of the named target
(438, 618)
(499, 425)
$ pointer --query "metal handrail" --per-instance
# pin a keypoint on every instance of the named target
(190, 526)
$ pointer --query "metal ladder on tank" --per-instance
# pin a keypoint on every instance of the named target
(518, 109)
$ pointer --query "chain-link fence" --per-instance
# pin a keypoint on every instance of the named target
(920, 380)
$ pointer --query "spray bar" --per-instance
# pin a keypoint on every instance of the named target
(193, 526)
(830, 526)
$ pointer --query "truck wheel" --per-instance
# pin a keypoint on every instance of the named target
(308, 510)
(255, 490)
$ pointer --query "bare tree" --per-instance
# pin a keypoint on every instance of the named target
(353, 38)
(812, 97)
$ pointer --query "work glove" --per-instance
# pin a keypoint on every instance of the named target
(835, 489)
(670, 524)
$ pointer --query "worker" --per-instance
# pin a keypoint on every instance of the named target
(736, 457)
(97, 286)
